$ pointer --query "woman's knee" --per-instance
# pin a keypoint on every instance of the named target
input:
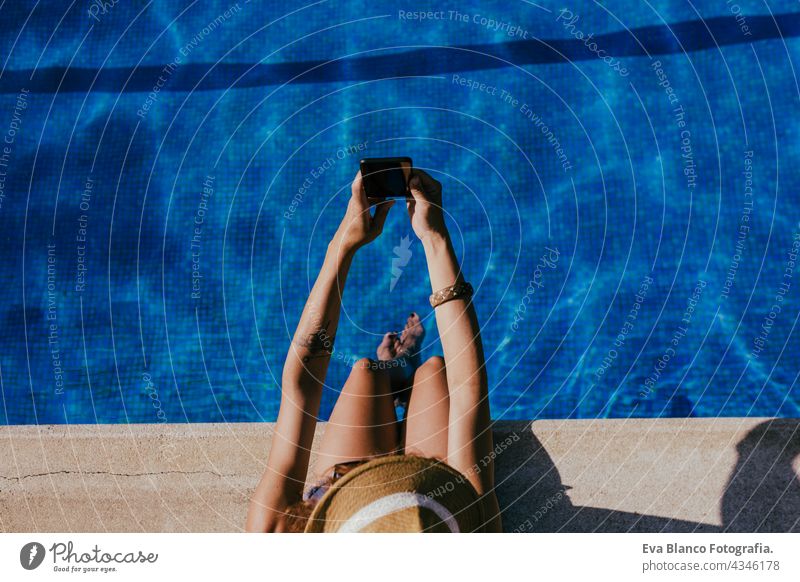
(432, 368)
(366, 364)
(366, 378)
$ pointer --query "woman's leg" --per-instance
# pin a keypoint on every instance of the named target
(428, 411)
(363, 422)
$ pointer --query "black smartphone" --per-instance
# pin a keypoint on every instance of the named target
(386, 177)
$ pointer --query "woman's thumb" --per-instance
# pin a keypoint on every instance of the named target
(415, 186)
(381, 212)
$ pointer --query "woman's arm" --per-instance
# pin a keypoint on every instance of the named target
(307, 365)
(469, 443)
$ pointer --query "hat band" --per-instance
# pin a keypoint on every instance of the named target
(384, 506)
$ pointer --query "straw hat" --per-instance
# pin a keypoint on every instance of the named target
(399, 494)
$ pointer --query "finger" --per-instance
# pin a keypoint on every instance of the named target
(416, 189)
(359, 195)
(429, 184)
(381, 212)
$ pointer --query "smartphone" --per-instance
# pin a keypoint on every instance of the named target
(386, 177)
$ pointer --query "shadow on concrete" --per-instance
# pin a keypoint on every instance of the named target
(763, 492)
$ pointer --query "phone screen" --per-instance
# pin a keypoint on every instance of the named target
(386, 177)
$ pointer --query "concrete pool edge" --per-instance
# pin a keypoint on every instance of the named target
(731, 474)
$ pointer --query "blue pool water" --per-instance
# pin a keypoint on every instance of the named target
(625, 203)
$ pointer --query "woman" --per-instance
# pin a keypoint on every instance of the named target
(432, 470)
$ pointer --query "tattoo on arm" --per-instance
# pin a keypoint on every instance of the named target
(319, 343)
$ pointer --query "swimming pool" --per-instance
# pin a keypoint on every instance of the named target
(621, 184)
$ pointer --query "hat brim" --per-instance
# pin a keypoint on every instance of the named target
(399, 493)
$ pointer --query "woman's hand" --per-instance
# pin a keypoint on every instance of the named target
(425, 206)
(359, 227)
